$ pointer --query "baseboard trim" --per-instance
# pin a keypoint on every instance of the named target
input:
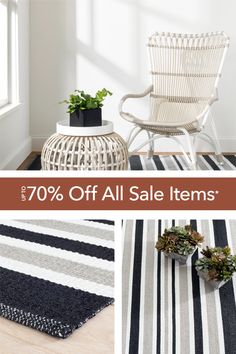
(227, 144)
(13, 161)
(38, 142)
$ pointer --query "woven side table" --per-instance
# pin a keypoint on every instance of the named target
(84, 148)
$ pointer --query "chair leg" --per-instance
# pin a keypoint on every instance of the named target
(218, 150)
(132, 135)
(151, 146)
(193, 156)
(192, 151)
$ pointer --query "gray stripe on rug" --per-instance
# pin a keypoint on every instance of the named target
(168, 305)
(149, 276)
(232, 228)
(226, 167)
(233, 233)
(226, 161)
(58, 265)
(203, 164)
(74, 228)
(149, 164)
(170, 163)
(126, 265)
(184, 324)
(214, 345)
(182, 161)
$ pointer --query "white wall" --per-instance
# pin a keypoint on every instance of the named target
(15, 141)
(90, 44)
(53, 64)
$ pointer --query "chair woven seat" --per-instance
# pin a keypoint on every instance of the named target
(167, 131)
(185, 71)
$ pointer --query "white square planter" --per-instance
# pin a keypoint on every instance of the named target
(179, 257)
(214, 283)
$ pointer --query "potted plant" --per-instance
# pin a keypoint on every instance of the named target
(217, 266)
(85, 110)
(179, 242)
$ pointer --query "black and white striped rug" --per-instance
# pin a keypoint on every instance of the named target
(177, 162)
(55, 275)
(171, 162)
(166, 307)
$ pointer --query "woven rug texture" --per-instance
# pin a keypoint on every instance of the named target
(167, 308)
(171, 162)
(55, 275)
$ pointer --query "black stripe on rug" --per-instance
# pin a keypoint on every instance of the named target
(178, 163)
(62, 243)
(135, 163)
(227, 299)
(211, 162)
(232, 159)
(198, 334)
(158, 343)
(136, 289)
(48, 307)
(107, 222)
(173, 304)
(158, 163)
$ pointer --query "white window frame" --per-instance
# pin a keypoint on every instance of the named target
(12, 63)
(5, 3)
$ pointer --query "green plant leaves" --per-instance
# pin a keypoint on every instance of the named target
(181, 240)
(91, 104)
(217, 262)
(79, 100)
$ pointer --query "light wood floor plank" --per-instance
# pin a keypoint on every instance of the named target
(96, 337)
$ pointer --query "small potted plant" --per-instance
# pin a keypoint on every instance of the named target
(179, 242)
(85, 110)
(217, 266)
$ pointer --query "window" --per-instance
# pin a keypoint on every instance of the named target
(4, 99)
(8, 53)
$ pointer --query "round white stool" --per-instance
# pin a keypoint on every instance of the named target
(85, 148)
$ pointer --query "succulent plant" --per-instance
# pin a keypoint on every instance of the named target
(218, 262)
(181, 240)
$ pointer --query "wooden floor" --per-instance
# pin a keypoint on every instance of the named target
(29, 159)
(95, 337)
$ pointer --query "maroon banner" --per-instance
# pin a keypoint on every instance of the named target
(94, 193)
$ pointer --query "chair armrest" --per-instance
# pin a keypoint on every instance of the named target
(214, 98)
(133, 95)
(131, 118)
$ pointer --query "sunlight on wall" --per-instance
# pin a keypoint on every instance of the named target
(83, 21)
(112, 52)
(110, 34)
(91, 44)
(114, 33)
(182, 11)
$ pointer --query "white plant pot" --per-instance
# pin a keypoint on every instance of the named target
(178, 257)
(214, 283)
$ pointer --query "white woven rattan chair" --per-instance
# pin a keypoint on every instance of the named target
(185, 70)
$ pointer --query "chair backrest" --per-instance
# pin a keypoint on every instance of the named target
(186, 67)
